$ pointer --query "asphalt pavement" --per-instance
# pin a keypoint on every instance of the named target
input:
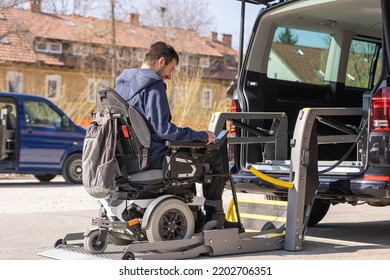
(33, 216)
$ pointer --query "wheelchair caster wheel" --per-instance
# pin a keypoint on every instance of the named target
(59, 242)
(91, 243)
(128, 256)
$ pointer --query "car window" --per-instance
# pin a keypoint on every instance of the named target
(8, 112)
(364, 64)
(38, 113)
(298, 55)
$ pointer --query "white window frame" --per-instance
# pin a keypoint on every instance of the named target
(204, 62)
(178, 98)
(48, 47)
(140, 56)
(207, 98)
(81, 50)
(184, 60)
(56, 79)
(16, 79)
(4, 40)
(121, 53)
(93, 86)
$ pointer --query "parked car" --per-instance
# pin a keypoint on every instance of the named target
(325, 54)
(38, 138)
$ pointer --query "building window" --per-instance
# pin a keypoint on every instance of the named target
(69, 23)
(184, 60)
(178, 98)
(93, 86)
(140, 56)
(53, 86)
(15, 81)
(121, 53)
(204, 62)
(48, 47)
(81, 50)
(4, 41)
(207, 98)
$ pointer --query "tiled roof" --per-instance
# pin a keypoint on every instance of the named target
(88, 30)
(304, 61)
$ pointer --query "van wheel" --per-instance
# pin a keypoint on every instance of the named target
(72, 170)
(45, 177)
(318, 212)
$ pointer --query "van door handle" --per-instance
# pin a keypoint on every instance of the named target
(29, 130)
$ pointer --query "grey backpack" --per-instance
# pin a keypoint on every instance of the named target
(100, 168)
(116, 144)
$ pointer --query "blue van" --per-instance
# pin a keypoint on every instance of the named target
(38, 138)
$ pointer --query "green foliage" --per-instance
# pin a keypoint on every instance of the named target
(287, 37)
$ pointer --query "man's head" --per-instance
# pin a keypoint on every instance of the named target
(162, 59)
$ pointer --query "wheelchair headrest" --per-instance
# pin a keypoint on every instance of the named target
(108, 98)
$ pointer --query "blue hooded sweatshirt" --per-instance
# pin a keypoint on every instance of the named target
(144, 90)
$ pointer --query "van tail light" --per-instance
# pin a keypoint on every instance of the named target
(380, 110)
(232, 128)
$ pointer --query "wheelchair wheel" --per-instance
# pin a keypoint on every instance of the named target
(172, 219)
(91, 245)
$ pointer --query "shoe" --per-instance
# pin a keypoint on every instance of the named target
(228, 224)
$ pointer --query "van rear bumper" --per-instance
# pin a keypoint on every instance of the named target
(338, 189)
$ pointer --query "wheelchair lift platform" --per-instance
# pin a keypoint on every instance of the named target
(302, 187)
(208, 243)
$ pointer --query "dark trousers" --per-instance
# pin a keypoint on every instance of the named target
(219, 164)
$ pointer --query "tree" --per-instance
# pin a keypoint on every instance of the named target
(185, 14)
(287, 37)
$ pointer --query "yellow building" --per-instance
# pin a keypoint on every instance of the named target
(66, 58)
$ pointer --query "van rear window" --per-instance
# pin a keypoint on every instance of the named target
(298, 55)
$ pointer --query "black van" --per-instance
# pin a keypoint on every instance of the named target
(318, 54)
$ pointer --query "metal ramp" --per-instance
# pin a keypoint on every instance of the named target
(209, 242)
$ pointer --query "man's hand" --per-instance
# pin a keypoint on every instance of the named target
(211, 137)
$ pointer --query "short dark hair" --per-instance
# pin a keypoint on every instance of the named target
(161, 49)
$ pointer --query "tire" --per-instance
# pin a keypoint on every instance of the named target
(170, 220)
(90, 243)
(72, 169)
(45, 177)
(128, 256)
(59, 242)
(318, 211)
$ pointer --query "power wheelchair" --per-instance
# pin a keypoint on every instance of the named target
(150, 204)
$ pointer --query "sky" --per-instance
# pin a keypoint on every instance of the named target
(227, 15)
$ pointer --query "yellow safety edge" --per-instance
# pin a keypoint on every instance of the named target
(271, 180)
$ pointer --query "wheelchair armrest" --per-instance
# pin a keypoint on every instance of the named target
(171, 144)
(219, 140)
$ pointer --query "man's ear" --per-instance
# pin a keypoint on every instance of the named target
(161, 61)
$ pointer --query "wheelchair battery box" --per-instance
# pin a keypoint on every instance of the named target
(183, 166)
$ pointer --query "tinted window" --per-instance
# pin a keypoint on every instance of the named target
(364, 64)
(38, 113)
(298, 55)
